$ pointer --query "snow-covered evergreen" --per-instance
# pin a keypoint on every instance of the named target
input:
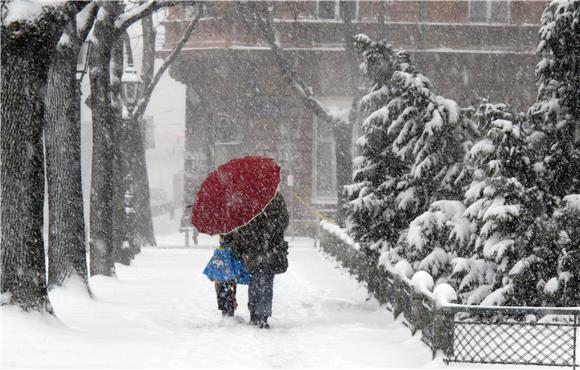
(497, 198)
(412, 155)
(411, 148)
(563, 289)
(552, 266)
(372, 218)
(510, 237)
(556, 113)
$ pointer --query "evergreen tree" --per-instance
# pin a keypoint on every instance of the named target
(556, 113)
(427, 242)
(504, 207)
(412, 151)
(563, 289)
(552, 266)
(371, 215)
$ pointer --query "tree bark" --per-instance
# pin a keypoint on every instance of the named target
(67, 253)
(26, 51)
(101, 245)
(144, 232)
(121, 231)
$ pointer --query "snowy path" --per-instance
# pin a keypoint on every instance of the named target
(161, 312)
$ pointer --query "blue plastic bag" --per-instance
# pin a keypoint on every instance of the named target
(223, 266)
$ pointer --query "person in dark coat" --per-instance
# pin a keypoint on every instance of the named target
(261, 247)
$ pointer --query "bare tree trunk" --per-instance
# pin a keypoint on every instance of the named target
(101, 245)
(121, 231)
(25, 56)
(67, 252)
(144, 232)
(23, 267)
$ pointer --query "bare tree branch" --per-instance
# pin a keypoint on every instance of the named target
(85, 20)
(142, 105)
(131, 16)
(262, 16)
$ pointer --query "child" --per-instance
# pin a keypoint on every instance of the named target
(226, 272)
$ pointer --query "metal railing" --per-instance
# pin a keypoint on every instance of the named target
(470, 334)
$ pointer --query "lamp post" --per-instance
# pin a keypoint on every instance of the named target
(131, 87)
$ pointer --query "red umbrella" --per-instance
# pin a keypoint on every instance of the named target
(235, 193)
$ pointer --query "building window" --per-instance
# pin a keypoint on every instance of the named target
(348, 9)
(327, 9)
(324, 179)
(226, 140)
(489, 11)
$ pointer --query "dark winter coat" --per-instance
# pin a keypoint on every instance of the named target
(260, 244)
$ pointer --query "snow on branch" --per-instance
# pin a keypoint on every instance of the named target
(131, 16)
(85, 20)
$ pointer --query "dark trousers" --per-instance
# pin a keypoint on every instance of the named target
(226, 297)
(260, 293)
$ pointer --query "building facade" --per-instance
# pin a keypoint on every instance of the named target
(238, 103)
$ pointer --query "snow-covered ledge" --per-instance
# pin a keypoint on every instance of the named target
(339, 233)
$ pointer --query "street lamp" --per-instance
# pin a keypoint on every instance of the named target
(130, 87)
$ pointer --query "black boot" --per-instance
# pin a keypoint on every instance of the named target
(226, 297)
(261, 321)
(253, 319)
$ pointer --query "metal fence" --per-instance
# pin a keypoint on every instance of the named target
(466, 333)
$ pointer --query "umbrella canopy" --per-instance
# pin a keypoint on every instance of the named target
(235, 193)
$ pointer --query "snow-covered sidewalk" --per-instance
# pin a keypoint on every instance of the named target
(161, 313)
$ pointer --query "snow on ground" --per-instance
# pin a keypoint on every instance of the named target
(160, 312)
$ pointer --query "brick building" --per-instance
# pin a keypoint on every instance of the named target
(238, 103)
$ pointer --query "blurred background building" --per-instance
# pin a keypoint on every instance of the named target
(237, 102)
